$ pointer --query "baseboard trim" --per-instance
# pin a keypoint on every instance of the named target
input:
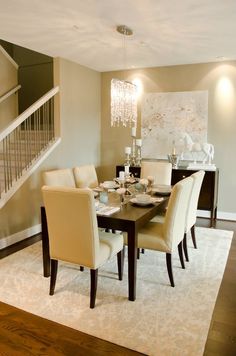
(19, 236)
(220, 215)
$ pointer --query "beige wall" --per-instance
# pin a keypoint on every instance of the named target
(220, 81)
(8, 80)
(80, 107)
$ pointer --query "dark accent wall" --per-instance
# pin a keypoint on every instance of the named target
(35, 73)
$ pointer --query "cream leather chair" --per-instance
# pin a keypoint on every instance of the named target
(86, 176)
(166, 236)
(160, 171)
(74, 236)
(191, 216)
(59, 178)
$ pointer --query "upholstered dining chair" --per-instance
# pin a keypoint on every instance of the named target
(191, 216)
(59, 177)
(86, 176)
(74, 236)
(160, 171)
(166, 236)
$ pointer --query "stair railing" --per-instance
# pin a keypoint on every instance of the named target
(23, 141)
(9, 93)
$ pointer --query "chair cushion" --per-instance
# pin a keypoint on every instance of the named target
(151, 237)
(110, 245)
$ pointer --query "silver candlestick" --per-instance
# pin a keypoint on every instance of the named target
(133, 155)
(139, 157)
(127, 156)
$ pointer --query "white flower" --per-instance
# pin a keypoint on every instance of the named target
(121, 191)
(143, 181)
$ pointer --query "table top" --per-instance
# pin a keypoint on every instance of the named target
(130, 213)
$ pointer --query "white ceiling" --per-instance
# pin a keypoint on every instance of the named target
(166, 32)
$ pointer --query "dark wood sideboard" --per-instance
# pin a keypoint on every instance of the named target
(209, 192)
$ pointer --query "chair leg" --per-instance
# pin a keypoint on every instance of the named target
(93, 286)
(53, 278)
(120, 262)
(193, 236)
(169, 268)
(138, 253)
(185, 247)
(143, 250)
(180, 249)
(81, 268)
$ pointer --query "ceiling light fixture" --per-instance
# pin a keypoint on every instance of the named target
(123, 93)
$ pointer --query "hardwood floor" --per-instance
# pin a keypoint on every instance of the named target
(22, 333)
(221, 338)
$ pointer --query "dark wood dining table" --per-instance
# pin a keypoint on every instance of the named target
(130, 219)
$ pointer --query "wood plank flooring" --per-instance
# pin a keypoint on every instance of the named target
(221, 338)
(22, 333)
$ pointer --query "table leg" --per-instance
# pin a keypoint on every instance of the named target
(45, 244)
(213, 216)
(132, 263)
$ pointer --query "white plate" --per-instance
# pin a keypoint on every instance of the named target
(110, 185)
(134, 201)
(161, 189)
(97, 189)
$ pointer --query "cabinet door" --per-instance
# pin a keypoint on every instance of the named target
(134, 170)
(207, 193)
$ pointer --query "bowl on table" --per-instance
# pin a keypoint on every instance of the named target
(143, 198)
(110, 184)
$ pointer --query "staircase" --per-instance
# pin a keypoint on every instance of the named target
(25, 143)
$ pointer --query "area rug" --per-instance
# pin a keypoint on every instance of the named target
(162, 321)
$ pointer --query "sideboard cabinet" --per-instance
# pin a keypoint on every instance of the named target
(209, 190)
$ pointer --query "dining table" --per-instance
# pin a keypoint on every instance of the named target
(130, 218)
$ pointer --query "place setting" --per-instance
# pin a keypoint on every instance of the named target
(145, 200)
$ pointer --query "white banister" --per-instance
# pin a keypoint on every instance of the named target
(9, 93)
(28, 112)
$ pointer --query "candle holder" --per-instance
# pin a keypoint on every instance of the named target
(127, 159)
(174, 160)
(133, 155)
(127, 156)
(139, 157)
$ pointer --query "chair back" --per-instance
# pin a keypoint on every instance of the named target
(59, 178)
(174, 223)
(193, 201)
(72, 225)
(160, 171)
(86, 176)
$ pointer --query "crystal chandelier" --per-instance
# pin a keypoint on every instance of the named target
(123, 95)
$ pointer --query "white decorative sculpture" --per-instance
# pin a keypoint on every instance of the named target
(196, 147)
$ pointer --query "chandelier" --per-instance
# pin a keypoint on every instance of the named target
(123, 95)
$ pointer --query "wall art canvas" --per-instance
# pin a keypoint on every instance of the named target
(166, 117)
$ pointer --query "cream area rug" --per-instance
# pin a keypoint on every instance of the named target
(162, 321)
